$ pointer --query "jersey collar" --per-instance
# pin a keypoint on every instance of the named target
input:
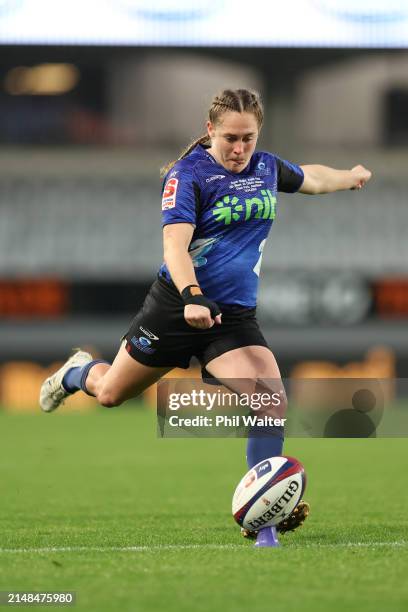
(205, 155)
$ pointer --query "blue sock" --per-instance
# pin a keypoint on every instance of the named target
(75, 378)
(263, 442)
(71, 380)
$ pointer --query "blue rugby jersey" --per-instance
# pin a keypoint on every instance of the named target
(232, 214)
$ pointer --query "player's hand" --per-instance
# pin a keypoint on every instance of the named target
(360, 177)
(200, 316)
(199, 311)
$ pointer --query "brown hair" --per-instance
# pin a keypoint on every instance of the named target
(238, 100)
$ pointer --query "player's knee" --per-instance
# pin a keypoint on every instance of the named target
(109, 398)
(281, 401)
(272, 397)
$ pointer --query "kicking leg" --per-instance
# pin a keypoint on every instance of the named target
(110, 384)
(126, 378)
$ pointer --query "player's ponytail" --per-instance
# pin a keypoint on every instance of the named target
(205, 139)
(238, 100)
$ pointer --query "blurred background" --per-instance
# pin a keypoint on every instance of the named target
(96, 96)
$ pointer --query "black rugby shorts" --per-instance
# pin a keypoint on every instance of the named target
(159, 336)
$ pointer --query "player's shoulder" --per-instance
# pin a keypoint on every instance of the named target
(263, 163)
(265, 156)
(264, 159)
(273, 159)
(183, 168)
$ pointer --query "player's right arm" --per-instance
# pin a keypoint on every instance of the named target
(176, 240)
(180, 205)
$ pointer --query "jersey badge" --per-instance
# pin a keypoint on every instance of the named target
(262, 169)
(169, 194)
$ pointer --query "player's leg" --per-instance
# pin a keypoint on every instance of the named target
(110, 384)
(253, 369)
(147, 345)
(124, 379)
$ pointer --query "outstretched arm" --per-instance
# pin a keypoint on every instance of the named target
(322, 179)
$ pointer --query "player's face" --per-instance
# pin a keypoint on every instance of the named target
(233, 139)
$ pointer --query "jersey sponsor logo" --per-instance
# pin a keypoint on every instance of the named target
(169, 194)
(148, 333)
(215, 177)
(143, 344)
(231, 208)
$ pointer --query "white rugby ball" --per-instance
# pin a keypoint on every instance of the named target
(269, 492)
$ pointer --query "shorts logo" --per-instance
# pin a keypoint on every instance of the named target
(148, 333)
(143, 344)
(169, 194)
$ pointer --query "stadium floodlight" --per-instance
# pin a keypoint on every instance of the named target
(300, 23)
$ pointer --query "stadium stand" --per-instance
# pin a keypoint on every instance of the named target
(109, 226)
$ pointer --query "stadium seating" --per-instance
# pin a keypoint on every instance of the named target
(109, 227)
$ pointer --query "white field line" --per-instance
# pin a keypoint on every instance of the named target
(51, 549)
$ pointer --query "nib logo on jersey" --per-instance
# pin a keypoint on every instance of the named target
(232, 208)
(144, 342)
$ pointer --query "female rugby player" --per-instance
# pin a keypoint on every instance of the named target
(218, 205)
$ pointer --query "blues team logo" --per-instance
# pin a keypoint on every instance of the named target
(262, 169)
(143, 344)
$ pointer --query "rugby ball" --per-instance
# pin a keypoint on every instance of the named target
(268, 493)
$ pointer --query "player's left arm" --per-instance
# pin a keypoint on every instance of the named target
(322, 179)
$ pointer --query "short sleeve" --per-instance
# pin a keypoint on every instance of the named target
(290, 176)
(180, 197)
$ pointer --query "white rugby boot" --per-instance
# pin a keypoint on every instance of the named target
(52, 393)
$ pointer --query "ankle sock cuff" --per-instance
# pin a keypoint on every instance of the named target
(85, 372)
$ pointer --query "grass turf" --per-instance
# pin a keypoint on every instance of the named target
(79, 491)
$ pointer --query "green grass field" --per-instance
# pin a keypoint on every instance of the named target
(97, 504)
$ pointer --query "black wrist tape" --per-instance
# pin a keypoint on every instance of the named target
(199, 299)
(190, 291)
